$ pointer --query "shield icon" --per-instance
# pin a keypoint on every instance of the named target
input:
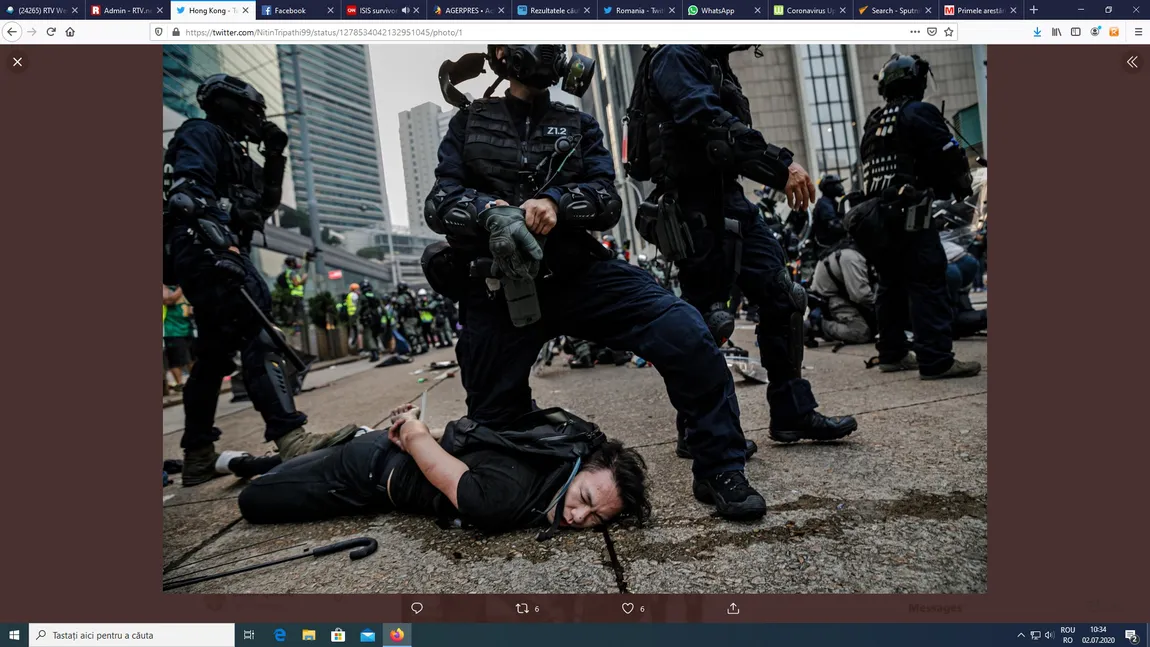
(159, 31)
(931, 31)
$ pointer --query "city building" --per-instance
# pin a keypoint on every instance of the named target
(420, 131)
(346, 162)
(185, 68)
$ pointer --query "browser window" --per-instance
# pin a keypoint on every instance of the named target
(632, 324)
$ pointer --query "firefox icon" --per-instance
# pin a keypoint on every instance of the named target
(396, 635)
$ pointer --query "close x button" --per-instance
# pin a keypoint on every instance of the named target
(17, 61)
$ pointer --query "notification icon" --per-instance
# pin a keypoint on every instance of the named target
(351, 10)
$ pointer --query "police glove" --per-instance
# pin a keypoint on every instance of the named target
(514, 250)
(274, 138)
(230, 267)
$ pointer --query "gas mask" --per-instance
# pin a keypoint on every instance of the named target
(542, 66)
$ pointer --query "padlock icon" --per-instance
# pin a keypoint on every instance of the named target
(175, 31)
(337, 636)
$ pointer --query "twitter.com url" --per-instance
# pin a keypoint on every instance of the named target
(312, 33)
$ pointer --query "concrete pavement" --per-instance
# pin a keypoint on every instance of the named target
(899, 507)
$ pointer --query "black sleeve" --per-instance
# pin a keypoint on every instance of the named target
(938, 151)
(198, 147)
(452, 207)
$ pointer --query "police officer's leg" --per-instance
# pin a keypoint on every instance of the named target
(781, 334)
(931, 314)
(847, 326)
(622, 306)
(892, 309)
(495, 358)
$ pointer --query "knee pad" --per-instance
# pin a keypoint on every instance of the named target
(720, 323)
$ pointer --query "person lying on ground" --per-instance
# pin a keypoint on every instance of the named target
(494, 489)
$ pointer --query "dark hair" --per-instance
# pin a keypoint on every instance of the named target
(630, 472)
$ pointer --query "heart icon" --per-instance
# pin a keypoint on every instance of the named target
(628, 608)
(417, 607)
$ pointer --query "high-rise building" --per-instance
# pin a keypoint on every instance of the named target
(186, 67)
(346, 162)
(420, 131)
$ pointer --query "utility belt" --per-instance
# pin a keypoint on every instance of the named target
(876, 223)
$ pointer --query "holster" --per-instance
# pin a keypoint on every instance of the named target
(663, 225)
(733, 241)
(915, 207)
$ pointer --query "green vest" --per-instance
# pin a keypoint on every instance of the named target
(296, 290)
(425, 316)
(349, 305)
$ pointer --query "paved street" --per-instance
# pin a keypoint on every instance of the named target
(900, 507)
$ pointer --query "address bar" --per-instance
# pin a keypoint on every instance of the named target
(565, 32)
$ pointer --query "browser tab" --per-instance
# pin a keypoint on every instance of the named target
(213, 10)
(384, 10)
(469, 10)
(810, 10)
(555, 10)
(729, 10)
(126, 10)
(639, 10)
(49, 10)
(896, 10)
(296, 10)
(982, 9)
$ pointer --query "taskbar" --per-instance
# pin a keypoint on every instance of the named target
(637, 626)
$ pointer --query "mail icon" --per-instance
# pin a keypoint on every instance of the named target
(367, 636)
(309, 634)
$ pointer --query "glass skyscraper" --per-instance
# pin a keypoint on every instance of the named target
(346, 161)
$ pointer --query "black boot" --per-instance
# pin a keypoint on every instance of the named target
(812, 426)
(244, 465)
(682, 452)
(200, 465)
(732, 496)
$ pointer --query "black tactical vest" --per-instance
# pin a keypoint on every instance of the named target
(498, 163)
(887, 156)
(676, 151)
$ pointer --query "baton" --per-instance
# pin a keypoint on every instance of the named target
(273, 332)
(423, 405)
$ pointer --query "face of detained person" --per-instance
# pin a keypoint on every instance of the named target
(611, 483)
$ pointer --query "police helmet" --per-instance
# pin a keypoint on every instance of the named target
(234, 102)
(353, 287)
(832, 186)
(421, 293)
(292, 262)
(401, 287)
(903, 77)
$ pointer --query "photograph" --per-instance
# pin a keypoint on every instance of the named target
(647, 319)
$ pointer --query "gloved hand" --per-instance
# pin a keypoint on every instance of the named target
(514, 250)
(274, 138)
(230, 267)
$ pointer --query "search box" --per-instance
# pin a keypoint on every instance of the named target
(129, 634)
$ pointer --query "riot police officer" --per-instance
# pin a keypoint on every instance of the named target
(216, 197)
(521, 182)
(371, 319)
(909, 159)
(407, 312)
(689, 131)
(827, 228)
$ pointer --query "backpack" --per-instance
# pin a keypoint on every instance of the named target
(636, 148)
(550, 432)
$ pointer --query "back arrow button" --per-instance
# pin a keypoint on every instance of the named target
(12, 32)
(1132, 62)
